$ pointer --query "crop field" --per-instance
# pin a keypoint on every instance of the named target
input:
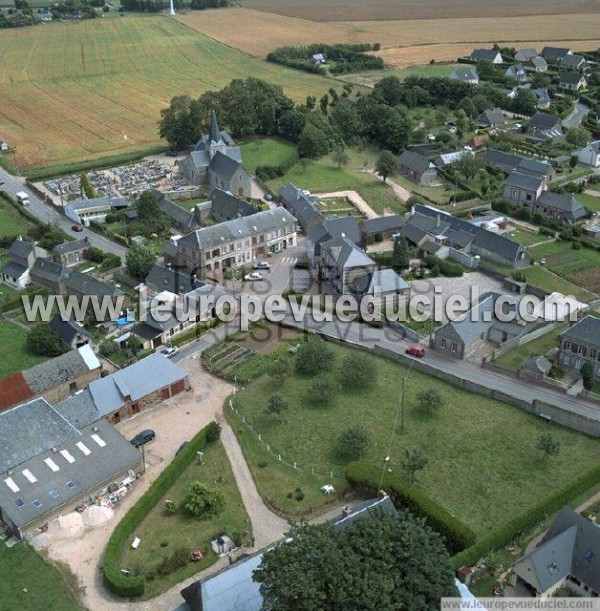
(405, 42)
(82, 91)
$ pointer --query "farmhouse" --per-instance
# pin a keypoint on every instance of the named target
(544, 126)
(580, 344)
(522, 189)
(84, 211)
(567, 556)
(300, 205)
(573, 81)
(490, 55)
(590, 155)
(71, 253)
(345, 266)
(492, 117)
(555, 53)
(71, 333)
(234, 243)
(22, 256)
(417, 168)
(48, 465)
(562, 207)
(465, 74)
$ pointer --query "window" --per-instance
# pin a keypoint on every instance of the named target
(36, 504)
(590, 555)
(443, 343)
(593, 353)
(54, 494)
(553, 568)
(454, 347)
(71, 485)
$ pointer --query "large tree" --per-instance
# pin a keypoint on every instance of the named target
(358, 371)
(150, 215)
(43, 341)
(139, 260)
(314, 357)
(578, 136)
(380, 562)
(181, 124)
(400, 254)
(386, 165)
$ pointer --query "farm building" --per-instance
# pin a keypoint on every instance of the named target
(84, 211)
(417, 168)
(22, 256)
(71, 253)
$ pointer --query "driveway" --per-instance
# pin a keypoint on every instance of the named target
(577, 116)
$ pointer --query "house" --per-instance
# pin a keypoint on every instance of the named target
(50, 275)
(573, 81)
(522, 189)
(79, 284)
(387, 284)
(544, 126)
(463, 337)
(226, 207)
(48, 465)
(217, 162)
(580, 344)
(71, 253)
(493, 117)
(233, 244)
(22, 255)
(517, 73)
(523, 165)
(543, 97)
(524, 55)
(301, 205)
(446, 159)
(381, 228)
(562, 207)
(592, 231)
(535, 369)
(573, 62)
(45, 16)
(53, 380)
(590, 155)
(72, 334)
(318, 59)
(178, 282)
(538, 64)
(180, 218)
(489, 55)
(417, 168)
(345, 266)
(555, 53)
(234, 589)
(84, 211)
(126, 392)
(465, 74)
(567, 557)
(478, 141)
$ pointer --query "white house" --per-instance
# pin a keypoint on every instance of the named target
(590, 155)
(84, 211)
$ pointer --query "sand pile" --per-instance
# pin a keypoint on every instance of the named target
(96, 515)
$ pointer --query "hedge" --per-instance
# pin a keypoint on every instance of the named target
(130, 585)
(457, 535)
(527, 520)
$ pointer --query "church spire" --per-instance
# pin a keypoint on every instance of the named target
(215, 132)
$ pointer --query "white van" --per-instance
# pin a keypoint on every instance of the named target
(23, 198)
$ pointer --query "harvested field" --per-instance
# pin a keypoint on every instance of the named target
(589, 278)
(358, 10)
(85, 90)
(406, 42)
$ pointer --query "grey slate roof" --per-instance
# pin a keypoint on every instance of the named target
(79, 409)
(60, 369)
(72, 246)
(414, 162)
(492, 116)
(229, 206)
(21, 248)
(523, 181)
(538, 364)
(111, 201)
(137, 381)
(544, 121)
(176, 281)
(45, 270)
(484, 54)
(224, 166)
(539, 62)
(382, 223)
(14, 270)
(300, 206)
(344, 226)
(585, 330)
(200, 159)
(464, 74)
(565, 202)
(571, 78)
(522, 55)
(67, 330)
(572, 61)
(542, 95)
(84, 284)
(556, 52)
(176, 213)
(346, 254)
(388, 281)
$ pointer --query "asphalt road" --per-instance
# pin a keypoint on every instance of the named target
(577, 116)
(49, 214)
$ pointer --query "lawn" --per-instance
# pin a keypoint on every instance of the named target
(371, 77)
(267, 151)
(77, 91)
(15, 355)
(439, 195)
(161, 534)
(23, 569)
(483, 466)
(526, 238)
(513, 359)
(589, 201)
(13, 223)
(544, 279)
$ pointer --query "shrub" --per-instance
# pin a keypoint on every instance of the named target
(358, 371)
(213, 432)
(177, 560)
(353, 442)
(314, 357)
(576, 245)
(204, 501)
(322, 391)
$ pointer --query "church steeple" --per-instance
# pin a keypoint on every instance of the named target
(215, 132)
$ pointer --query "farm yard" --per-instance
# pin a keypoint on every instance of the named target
(76, 92)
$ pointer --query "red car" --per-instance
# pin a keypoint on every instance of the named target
(416, 350)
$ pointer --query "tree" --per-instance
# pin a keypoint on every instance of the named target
(358, 372)
(43, 341)
(353, 442)
(468, 105)
(85, 186)
(388, 90)
(139, 260)
(525, 102)
(324, 104)
(400, 254)
(150, 215)
(379, 562)
(386, 165)
(548, 445)
(413, 461)
(204, 501)
(539, 80)
(468, 165)
(280, 369)
(587, 374)
(578, 136)
(276, 406)
(313, 142)
(321, 391)
(181, 123)
(314, 357)
(339, 157)
(430, 400)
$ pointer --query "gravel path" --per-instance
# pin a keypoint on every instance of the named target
(399, 190)
(356, 198)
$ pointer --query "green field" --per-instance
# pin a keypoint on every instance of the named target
(182, 531)
(589, 201)
(267, 151)
(371, 77)
(12, 223)
(547, 281)
(86, 90)
(22, 569)
(483, 466)
(12, 340)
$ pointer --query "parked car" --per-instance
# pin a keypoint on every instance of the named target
(268, 197)
(416, 350)
(170, 351)
(143, 438)
(77, 228)
(261, 265)
(253, 277)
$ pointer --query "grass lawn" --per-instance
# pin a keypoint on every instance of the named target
(440, 195)
(370, 77)
(513, 359)
(589, 201)
(13, 223)
(162, 534)
(547, 281)
(483, 466)
(21, 567)
(267, 151)
(15, 355)
(526, 238)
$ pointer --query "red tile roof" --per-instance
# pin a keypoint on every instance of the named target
(14, 390)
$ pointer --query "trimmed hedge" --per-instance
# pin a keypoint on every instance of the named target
(457, 535)
(129, 585)
(527, 520)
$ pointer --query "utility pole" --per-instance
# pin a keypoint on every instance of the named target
(402, 406)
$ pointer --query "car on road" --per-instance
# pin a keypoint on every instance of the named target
(170, 351)
(416, 350)
(253, 277)
(261, 265)
(77, 228)
(23, 198)
(144, 437)
(2, 183)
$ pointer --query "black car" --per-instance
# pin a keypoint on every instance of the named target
(143, 438)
